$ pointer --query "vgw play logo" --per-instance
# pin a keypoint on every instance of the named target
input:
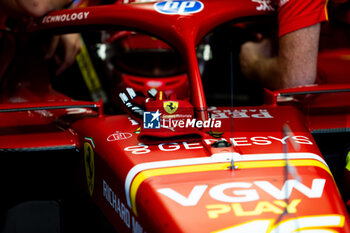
(179, 7)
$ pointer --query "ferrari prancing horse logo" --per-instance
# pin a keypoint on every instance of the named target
(170, 106)
(89, 166)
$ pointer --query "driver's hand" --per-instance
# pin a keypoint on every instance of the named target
(251, 53)
(70, 44)
(134, 102)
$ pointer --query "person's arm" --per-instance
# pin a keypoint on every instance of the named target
(32, 8)
(294, 65)
(71, 45)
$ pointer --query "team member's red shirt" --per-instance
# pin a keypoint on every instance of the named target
(297, 14)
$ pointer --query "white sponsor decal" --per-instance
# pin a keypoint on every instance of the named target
(136, 226)
(118, 206)
(264, 5)
(238, 192)
(78, 110)
(118, 136)
(237, 141)
(121, 209)
(65, 17)
(44, 113)
(193, 198)
(243, 113)
(138, 150)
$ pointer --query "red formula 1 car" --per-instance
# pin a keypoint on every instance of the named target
(226, 157)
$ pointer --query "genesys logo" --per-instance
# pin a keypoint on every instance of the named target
(153, 120)
(179, 7)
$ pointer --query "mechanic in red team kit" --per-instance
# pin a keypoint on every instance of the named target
(37, 8)
(295, 63)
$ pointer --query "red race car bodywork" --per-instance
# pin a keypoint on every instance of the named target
(270, 176)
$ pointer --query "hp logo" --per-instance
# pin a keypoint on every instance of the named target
(178, 7)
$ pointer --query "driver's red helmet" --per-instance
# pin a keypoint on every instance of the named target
(143, 62)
